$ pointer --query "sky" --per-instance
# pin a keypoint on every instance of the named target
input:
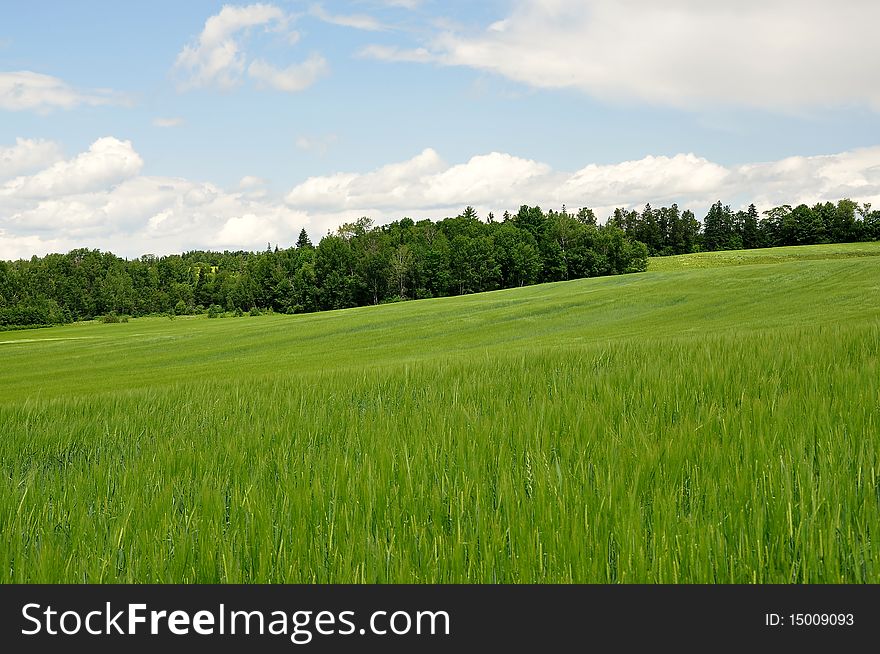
(163, 127)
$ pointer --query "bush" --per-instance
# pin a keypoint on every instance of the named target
(123, 319)
(110, 318)
(238, 313)
(214, 311)
(39, 314)
(255, 312)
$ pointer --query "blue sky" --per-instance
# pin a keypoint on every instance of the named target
(165, 126)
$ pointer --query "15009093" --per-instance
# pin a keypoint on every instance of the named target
(822, 619)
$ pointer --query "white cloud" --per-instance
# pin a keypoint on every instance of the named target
(27, 155)
(394, 185)
(772, 54)
(107, 161)
(249, 182)
(98, 199)
(17, 247)
(295, 77)
(426, 187)
(241, 229)
(215, 58)
(253, 187)
(356, 21)
(168, 122)
(485, 178)
(654, 179)
(424, 182)
(26, 90)
(794, 180)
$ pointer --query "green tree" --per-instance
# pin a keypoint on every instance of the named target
(516, 254)
(530, 219)
(843, 227)
(808, 227)
(469, 213)
(372, 254)
(586, 216)
(751, 235)
(334, 272)
(718, 229)
(402, 262)
(303, 241)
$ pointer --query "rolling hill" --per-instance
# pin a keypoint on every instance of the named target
(712, 420)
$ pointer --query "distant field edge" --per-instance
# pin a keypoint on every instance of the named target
(724, 258)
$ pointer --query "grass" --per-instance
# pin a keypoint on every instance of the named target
(764, 255)
(689, 424)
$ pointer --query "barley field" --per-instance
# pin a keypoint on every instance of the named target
(714, 420)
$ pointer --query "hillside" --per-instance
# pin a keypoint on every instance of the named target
(709, 420)
(680, 295)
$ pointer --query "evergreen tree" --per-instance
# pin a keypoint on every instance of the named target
(715, 234)
(303, 240)
(750, 233)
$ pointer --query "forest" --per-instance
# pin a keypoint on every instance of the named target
(362, 264)
(667, 230)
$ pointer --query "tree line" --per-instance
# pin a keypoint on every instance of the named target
(667, 230)
(363, 264)
(359, 264)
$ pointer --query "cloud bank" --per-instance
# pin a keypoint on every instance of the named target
(100, 199)
(782, 55)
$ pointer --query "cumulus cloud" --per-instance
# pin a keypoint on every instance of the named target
(653, 178)
(107, 161)
(393, 185)
(793, 180)
(27, 90)
(215, 58)
(426, 186)
(251, 182)
(17, 247)
(295, 77)
(98, 198)
(484, 178)
(253, 187)
(27, 155)
(770, 54)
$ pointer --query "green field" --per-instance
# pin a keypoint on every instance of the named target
(716, 419)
